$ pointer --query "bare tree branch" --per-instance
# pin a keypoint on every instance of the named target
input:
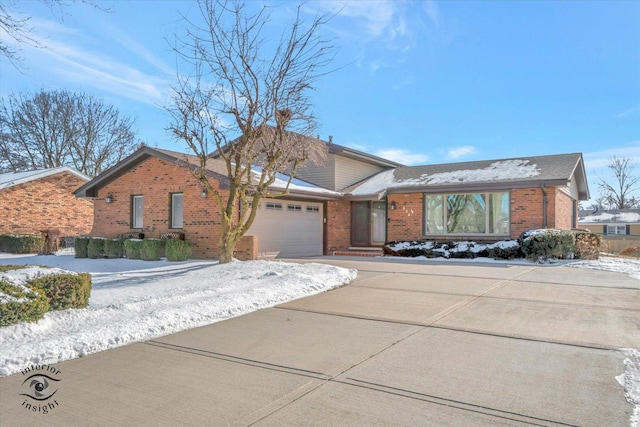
(246, 99)
(617, 193)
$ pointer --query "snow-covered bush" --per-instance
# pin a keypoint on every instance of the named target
(178, 250)
(507, 249)
(63, 291)
(81, 246)
(19, 303)
(21, 243)
(151, 249)
(544, 244)
(113, 248)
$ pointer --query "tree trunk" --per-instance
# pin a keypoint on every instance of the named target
(227, 247)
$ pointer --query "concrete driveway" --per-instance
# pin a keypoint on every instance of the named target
(407, 343)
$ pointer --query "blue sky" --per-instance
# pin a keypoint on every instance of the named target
(418, 82)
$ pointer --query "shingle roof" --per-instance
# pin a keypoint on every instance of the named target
(515, 172)
(10, 179)
(612, 216)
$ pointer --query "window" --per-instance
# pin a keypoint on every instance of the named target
(136, 211)
(294, 208)
(616, 229)
(313, 209)
(177, 209)
(474, 213)
(274, 206)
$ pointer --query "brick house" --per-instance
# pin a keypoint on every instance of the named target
(353, 199)
(31, 202)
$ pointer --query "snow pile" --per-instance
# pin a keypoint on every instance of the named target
(139, 300)
(498, 171)
(619, 265)
(630, 380)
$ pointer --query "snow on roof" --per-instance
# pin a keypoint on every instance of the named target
(497, 171)
(10, 179)
(615, 216)
(300, 185)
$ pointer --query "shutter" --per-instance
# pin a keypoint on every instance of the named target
(628, 230)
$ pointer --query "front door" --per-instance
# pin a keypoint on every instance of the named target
(368, 223)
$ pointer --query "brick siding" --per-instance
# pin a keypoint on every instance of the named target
(46, 203)
(406, 220)
(156, 179)
(338, 226)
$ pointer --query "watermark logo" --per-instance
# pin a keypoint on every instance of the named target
(39, 387)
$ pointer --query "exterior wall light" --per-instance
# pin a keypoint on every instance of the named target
(393, 206)
(204, 192)
(109, 198)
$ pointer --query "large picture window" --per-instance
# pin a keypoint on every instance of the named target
(472, 213)
(177, 209)
(136, 211)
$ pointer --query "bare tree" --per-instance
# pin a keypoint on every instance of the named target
(62, 128)
(246, 100)
(617, 194)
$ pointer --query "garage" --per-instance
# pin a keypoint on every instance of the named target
(288, 228)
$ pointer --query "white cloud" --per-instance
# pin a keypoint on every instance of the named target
(600, 159)
(432, 11)
(402, 156)
(457, 152)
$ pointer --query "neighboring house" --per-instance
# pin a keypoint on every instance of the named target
(616, 222)
(352, 200)
(31, 202)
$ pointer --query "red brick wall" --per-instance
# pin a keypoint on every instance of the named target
(526, 209)
(406, 220)
(563, 207)
(338, 226)
(155, 180)
(247, 248)
(46, 203)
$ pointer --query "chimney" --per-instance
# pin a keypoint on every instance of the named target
(330, 139)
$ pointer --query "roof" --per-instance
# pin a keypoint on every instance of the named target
(613, 216)
(11, 179)
(361, 155)
(216, 168)
(552, 170)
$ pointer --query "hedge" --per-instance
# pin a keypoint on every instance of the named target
(543, 244)
(132, 248)
(151, 249)
(64, 291)
(178, 250)
(96, 248)
(21, 243)
(113, 248)
(81, 246)
(587, 245)
(21, 304)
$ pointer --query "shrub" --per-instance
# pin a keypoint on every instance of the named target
(587, 245)
(539, 245)
(81, 247)
(113, 248)
(151, 249)
(178, 250)
(21, 244)
(507, 249)
(132, 248)
(64, 291)
(21, 304)
(95, 249)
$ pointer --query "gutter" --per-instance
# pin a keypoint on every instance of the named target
(544, 206)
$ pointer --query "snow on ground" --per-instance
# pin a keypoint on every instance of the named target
(606, 263)
(133, 300)
(630, 380)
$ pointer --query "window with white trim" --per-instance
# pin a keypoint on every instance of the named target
(467, 213)
(313, 209)
(616, 229)
(137, 203)
(273, 206)
(177, 210)
(294, 208)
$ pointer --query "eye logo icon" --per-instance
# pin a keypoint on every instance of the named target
(40, 386)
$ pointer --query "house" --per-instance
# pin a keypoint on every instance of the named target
(615, 222)
(33, 201)
(353, 199)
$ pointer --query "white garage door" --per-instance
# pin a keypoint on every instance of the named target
(288, 229)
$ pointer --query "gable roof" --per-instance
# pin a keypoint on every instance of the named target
(612, 216)
(361, 155)
(215, 168)
(11, 179)
(552, 170)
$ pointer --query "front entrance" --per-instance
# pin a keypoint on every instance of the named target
(368, 223)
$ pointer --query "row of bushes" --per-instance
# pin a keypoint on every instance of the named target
(21, 243)
(535, 245)
(29, 302)
(147, 249)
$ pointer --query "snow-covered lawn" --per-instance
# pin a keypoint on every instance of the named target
(135, 300)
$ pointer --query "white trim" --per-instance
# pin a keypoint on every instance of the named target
(16, 178)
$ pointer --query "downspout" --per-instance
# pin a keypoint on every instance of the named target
(544, 207)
